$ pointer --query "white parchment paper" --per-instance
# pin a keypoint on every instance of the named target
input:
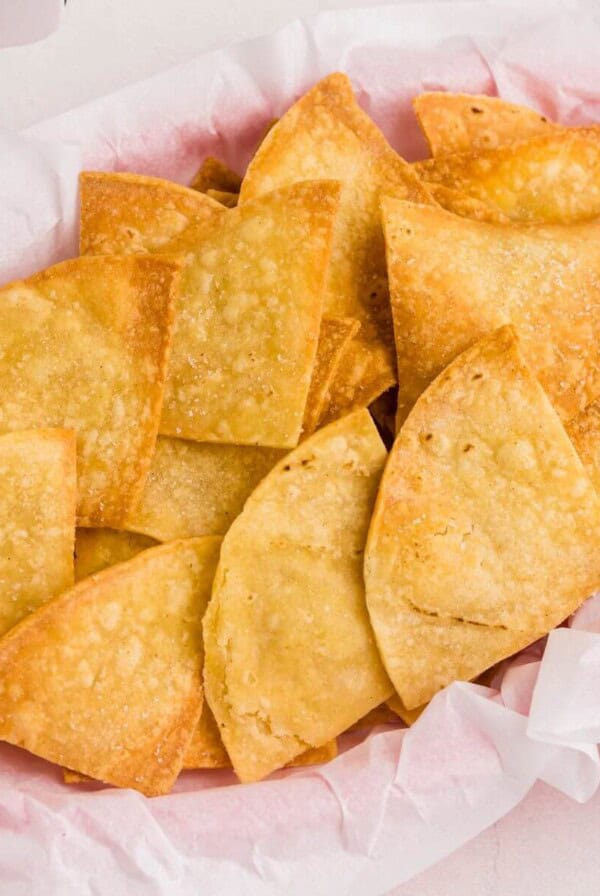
(396, 802)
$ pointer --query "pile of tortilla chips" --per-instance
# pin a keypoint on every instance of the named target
(209, 559)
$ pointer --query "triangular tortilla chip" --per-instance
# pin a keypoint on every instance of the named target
(229, 200)
(466, 206)
(464, 122)
(326, 134)
(37, 520)
(85, 345)
(206, 749)
(106, 679)
(213, 174)
(290, 656)
(453, 280)
(95, 549)
(408, 716)
(334, 342)
(584, 432)
(381, 715)
(132, 213)
(250, 308)
(551, 180)
(196, 488)
(486, 531)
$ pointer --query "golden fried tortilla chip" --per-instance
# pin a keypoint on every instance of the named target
(486, 529)
(326, 134)
(106, 679)
(230, 200)
(249, 312)
(453, 280)
(290, 656)
(213, 174)
(584, 432)
(408, 716)
(381, 715)
(466, 206)
(553, 179)
(196, 488)
(334, 342)
(95, 549)
(85, 345)
(464, 122)
(206, 749)
(37, 520)
(132, 213)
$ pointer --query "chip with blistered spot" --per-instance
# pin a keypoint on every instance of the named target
(95, 549)
(552, 179)
(106, 679)
(291, 660)
(198, 488)
(453, 280)
(37, 520)
(486, 528)
(84, 345)
(326, 134)
(463, 122)
(249, 309)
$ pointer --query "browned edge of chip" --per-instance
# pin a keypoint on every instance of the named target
(213, 174)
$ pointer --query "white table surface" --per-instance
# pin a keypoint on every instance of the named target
(549, 845)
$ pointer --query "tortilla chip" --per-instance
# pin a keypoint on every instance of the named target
(486, 528)
(196, 488)
(290, 656)
(95, 549)
(206, 749)
(454, 280)
(37, 520)
(466, 206)
(584, 432)
(464, 122)
(249, 312)
(326, 134)
(408, 716)
(106, 678)
(381, 715)
(213, 174)
(84, 345)
(230, 200)
(334, 340)
(553, 179)
(131, 214)
(383, 411)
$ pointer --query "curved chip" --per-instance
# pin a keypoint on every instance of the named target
(326, 134)
(84, 345)
(206, 750)
(453, 280)
(408, 716)
(229, 200)
(250, 307)
(486, 529)
(106, 679)
(464, 122)
(290, 656)
(196, 488)
(95, 549)
(37, 520)
(553, 179)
